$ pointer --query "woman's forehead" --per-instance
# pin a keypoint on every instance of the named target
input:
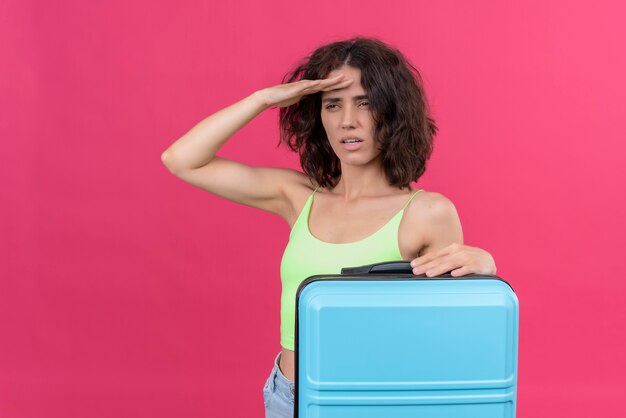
(347, 71)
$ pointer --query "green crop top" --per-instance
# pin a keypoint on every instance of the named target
(306, 256)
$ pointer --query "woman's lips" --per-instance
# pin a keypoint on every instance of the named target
(351, 145)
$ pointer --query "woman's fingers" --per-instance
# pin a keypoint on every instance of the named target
(426, 264)
(333, 82)
(439, 266)
(319, 87)
(445, 267)
(431, 256)
(324, 84)
(311, 86)
(287, 94)
(438, 262)
(340, 85)
(420, 261)
(430, 267)
(461, 271)
(459, 259)
(322, 81)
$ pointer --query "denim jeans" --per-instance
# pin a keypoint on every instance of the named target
(278, 394)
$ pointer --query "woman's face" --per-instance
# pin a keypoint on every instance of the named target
(348, 121)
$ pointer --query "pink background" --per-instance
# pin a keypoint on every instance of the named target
(126, 292)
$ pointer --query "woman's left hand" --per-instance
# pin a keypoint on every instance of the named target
(456, 258)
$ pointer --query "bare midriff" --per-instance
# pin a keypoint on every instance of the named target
(287, 364)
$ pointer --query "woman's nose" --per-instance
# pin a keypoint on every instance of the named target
(348, 117)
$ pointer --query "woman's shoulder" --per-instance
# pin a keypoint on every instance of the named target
(428, 206)
(427, 197)
(428, 217)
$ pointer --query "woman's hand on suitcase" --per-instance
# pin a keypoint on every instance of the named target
(458, 259)
(284, 95)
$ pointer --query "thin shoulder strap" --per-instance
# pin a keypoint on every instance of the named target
(412, 196)
(310, 199)
(303, 216)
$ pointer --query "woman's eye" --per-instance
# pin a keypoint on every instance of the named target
(332, 106)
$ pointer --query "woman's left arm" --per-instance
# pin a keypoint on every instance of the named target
(445, 251)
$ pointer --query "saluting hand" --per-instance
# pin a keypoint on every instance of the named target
(284, 95)
(458, 259)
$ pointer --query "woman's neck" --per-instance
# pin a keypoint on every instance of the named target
(360, 181)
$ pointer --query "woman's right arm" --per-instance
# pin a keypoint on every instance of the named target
(192, 157)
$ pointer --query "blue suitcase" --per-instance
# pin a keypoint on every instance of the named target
(379, 342)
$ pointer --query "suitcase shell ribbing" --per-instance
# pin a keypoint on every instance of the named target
(398, 345)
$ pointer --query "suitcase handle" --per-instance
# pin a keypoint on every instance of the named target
(391, 267)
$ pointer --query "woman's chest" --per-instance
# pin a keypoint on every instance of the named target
(357, 230)
(347, 227)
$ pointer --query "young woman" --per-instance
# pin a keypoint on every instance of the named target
(356, 113)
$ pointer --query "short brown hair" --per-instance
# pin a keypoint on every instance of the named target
(403, 128)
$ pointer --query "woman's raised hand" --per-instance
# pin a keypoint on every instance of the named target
(284, 95)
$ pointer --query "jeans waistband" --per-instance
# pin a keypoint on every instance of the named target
(279, 379)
